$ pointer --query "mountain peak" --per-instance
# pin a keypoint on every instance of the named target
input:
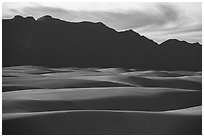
(197, 44)
(100, 23)
(173, 40)
(18, 18)
(129, 31)
(177, 42)
(30, 19)
(45, 18)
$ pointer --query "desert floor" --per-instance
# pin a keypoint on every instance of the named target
(40, 100)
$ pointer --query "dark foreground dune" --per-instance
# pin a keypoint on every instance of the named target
(38, 100)
(105, 122)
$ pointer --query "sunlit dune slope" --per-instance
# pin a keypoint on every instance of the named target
(115, 98)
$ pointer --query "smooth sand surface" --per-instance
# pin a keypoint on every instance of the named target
(39, 100)
(103, 122)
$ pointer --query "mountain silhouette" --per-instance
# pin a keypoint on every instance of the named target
(52, 42)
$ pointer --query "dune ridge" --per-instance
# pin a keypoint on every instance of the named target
(187, 111)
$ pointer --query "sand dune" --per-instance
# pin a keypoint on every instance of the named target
(187, 111)
(60, 84)
(161, 82)
(118, 98)
(103, 122)
(100, 101)
(84, 80)
(186, 78)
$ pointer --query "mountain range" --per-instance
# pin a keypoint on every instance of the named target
(52, 42)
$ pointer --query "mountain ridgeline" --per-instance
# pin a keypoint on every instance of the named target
(52, 42)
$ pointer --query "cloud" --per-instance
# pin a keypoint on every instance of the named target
(140, 19)
(119, 20)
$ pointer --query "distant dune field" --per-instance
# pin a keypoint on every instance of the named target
(40, 100)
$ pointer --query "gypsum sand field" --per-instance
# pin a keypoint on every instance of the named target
(39, 100)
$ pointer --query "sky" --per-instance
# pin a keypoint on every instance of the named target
(157, 21)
